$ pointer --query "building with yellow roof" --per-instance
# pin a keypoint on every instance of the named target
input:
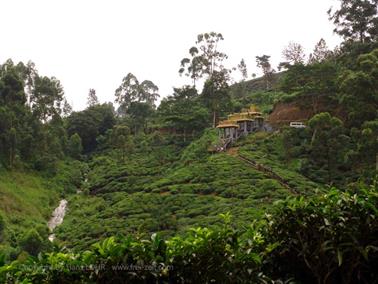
(240, 124)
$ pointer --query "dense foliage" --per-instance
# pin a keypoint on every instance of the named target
(329, 239)
(326, 239)
(27, 101)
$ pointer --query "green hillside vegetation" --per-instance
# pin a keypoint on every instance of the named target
(329, 238)
(192, 188)
(26, 201)
(269, 150)
(265, 100)
(146, 184)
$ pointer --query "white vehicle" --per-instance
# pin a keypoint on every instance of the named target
(297, 124)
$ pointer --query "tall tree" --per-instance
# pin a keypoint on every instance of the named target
(240, 89)
(212, 58)
(205, 57)
(215, 94)
(328, 148)
(183, 111)
(91, 123)
(13, 113)
(139, 113)
(192, 67)
(208, 61)
(31, 129)
(320, 52)
(47, 97)
(294, 53)
(148, 93)
(12, 87)
(132, 91)
(243, 69)
(75, 146)
(358, 89)
(67, 108)
(266, 67)
(356, 20)
(128, 91)
(92, 99)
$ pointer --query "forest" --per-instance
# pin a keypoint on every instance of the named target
(149, 198)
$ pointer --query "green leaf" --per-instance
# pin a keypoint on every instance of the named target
(339, 257)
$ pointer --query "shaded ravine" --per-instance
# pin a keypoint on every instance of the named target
(57, 217)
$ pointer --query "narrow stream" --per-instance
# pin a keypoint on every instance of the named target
(57, 217)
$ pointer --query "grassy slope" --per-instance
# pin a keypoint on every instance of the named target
(191, 191)
(25, 202)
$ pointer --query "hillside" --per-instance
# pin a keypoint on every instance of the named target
(26, 202)
(144, 196)
(303, 108)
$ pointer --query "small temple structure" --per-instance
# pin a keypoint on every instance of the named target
(240, 124)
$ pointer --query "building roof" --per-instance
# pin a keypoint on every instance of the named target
(246, 115)
(244, 119)
(227, 124)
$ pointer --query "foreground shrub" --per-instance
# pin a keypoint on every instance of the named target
(203, 256)
(328, 239)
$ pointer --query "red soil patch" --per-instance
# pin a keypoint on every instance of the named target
(303, 108)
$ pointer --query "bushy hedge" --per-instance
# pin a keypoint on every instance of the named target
(203, 256)
(328, 239)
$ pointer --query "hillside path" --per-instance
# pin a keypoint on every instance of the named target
(267, 171)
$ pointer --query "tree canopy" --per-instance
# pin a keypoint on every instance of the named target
(356, 19)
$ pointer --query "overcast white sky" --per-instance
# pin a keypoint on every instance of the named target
(94, 44)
